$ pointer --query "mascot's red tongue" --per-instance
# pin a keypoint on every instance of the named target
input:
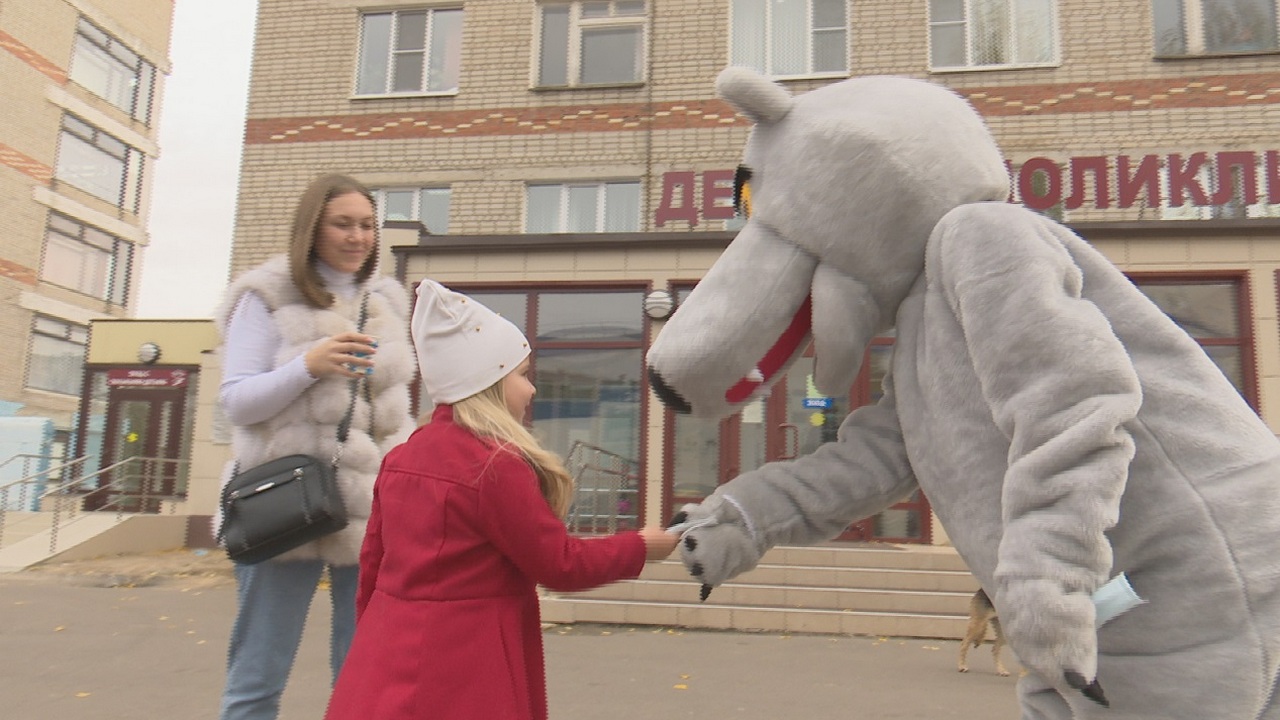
(781, 351)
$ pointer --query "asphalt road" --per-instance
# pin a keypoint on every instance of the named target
(90, 647)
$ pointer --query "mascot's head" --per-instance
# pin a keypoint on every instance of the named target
(842, 186)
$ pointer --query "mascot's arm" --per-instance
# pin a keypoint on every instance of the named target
(799, 501)
(1062, 388)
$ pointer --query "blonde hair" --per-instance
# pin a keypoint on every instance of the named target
(486, 415)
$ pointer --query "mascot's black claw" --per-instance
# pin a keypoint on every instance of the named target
(696, 569)
(678, 518)
(691, 544)
(1091, 690)
(703, 593)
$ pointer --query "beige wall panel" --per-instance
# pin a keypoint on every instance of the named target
(1267, 251)
(550, 262)
(1117, 251)
(1221, 251)
(181, 342)
(1166, 253)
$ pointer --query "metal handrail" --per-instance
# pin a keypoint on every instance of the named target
(117, 488)
(620, 484)
(57, 469)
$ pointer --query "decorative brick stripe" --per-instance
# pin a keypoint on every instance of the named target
(1120, 96)
(1127, 95)
(14, 271)
(32, 58)
(507, 121)
(25, 165)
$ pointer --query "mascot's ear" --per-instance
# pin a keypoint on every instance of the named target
(755, 95)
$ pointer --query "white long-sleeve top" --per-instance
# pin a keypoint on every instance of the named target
(253, 389)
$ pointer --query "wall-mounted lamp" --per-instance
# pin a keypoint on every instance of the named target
(659, 305)
(148, 353)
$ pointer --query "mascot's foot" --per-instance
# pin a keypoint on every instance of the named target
(1091, 690)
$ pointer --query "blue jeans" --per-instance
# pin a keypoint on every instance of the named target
(274, 598)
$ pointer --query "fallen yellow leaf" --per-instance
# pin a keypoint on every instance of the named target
(682, 686)
(83, 694)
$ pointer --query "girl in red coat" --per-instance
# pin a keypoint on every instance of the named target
(466, 522)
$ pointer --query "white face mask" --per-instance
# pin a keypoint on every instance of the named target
(1114, 598)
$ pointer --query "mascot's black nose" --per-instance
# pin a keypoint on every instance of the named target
(669, 397)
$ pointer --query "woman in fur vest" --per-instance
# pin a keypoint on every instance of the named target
(292, 344)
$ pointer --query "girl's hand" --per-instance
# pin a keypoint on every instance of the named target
(658, 543)
(348, 354)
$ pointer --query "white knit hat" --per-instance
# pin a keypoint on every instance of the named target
(463, 347)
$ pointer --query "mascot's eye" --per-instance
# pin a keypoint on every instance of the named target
(742, 190)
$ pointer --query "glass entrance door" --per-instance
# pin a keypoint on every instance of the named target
(143, 443)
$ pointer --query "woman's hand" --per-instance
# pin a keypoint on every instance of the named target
(348, 354)
(658, 543)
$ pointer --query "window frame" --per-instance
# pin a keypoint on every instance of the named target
(601, 187)
(573, 51)
(130, 160)
(810, 73)
(117, 260)
(427, 50)
(69, 333)
(1190, 26)
(1055, 51)
(528, 324)
(114, 54)
(380, 202)
(1245, 341)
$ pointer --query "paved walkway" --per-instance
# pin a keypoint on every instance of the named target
(113, 644)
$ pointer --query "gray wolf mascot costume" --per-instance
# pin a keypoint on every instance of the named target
(1070, 437)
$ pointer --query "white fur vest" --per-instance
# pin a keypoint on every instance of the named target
(309, 425)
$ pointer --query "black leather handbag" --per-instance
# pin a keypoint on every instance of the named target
(279, 505)
(283, 503)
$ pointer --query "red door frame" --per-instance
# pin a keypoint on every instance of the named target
(155, 397)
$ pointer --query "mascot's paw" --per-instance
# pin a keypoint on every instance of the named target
(1054, 634)
(1091, 690)
(715, 543)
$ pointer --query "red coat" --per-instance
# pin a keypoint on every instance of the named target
(448, 625)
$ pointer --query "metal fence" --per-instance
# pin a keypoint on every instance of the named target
(60, 495)
(606, 495)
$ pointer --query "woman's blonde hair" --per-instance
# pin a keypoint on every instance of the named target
(486, 415)
(306, 228)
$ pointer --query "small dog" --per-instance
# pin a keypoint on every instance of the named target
(981, 614)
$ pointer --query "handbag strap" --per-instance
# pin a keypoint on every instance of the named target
(344, 427)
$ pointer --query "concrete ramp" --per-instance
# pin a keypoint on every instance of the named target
(94, 535)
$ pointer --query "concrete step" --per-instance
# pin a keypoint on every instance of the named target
(709, 615)
(786, 596)
(861, 590)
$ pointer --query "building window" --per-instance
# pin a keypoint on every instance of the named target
(1214, 27)
(410, 52)
(591, 43)
(790, 38)
(99, 164)
(429, 206)
(1214, 312)
(57, 356)
(583, 207)
(112, 71)
(588, 363)
(87, 260)
(977, 34)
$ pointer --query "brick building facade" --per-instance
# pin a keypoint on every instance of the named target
(569, 158)
(79, 106)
